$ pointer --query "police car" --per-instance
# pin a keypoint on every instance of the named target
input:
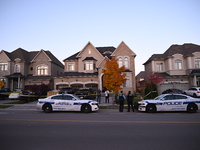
(66, 102)
(170, 102)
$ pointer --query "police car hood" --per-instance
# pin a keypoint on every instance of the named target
(87, 101)
(149, 101)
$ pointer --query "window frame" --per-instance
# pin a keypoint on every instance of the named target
(71, 67)
(197, 63)
(3, 66)
(42, 70)
(159, 67)
(178, 64)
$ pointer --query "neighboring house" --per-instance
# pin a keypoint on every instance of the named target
(140, 82)
(84, 68)
(20, 68)
(179, 66)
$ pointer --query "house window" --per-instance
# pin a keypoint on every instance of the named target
(89, 66)
(126, 62)
(42, 70)
(178, 64)
(197, 63)
(17, 68)
(120, 62)
(71, 67)
(3, 66)
(159, 67)
(127, 82)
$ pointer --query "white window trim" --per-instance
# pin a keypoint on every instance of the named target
(69, 64)
(40, 72)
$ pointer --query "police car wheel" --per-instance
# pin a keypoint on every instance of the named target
(47, 108)
(191, 108)
(86, 108)
(151, 108)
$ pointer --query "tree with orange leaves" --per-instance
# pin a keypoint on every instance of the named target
(113, 76)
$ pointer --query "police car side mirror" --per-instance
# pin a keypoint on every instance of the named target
(162, 99)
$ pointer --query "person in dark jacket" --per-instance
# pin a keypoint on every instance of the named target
(130, 98)
(121, 97)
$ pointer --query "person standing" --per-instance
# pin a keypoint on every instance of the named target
(121, 97)
(107, 96)
(130, 98)
(99, 96)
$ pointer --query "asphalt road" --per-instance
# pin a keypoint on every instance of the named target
(106, 129)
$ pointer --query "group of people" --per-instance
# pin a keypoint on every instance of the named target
(121, 97)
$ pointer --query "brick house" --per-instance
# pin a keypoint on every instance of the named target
(84, 68)
(20, 68)
(179, 66)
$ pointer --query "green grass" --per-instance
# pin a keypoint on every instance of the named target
(5, 106)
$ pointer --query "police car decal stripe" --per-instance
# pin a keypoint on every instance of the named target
(41, 102)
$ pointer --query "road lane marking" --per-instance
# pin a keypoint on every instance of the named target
(104, 121)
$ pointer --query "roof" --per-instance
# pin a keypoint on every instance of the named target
(26, 56)
(104, 51)
(195, 72)
(141, 74)
(186, 50)
(89, 58)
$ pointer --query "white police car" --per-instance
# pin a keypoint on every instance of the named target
(170, 102)
(66, 102)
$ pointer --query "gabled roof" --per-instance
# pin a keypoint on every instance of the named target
(186, 50)
(72, 57)
(19, 53)
(123, 44)
(26, 56)
(106, 51)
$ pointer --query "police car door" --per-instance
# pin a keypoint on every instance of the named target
(69, 102)
(167, 103)
(172, 103)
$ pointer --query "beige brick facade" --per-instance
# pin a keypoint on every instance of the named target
(84, 69)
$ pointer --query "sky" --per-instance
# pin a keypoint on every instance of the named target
(64, 27)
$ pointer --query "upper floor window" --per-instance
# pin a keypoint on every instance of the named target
(123, 61)
(17, 68)
(197, 63)
(159, 67)
(178, 64)
(120, 62)
(126, 62)
(42, 70)
(3, 66)
(71, 67)
(90, 65)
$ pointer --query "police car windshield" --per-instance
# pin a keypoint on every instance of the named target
(76, 97)
(158, 97)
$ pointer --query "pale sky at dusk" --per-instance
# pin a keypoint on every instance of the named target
(64, 27)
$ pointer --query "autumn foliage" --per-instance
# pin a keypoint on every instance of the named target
(113, 76)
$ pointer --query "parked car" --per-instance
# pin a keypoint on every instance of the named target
(66, 102)
(170, 102)
(86, 93)
(68, 90)
(194, 91)
(4, 93)
(15, 94)
(172, 91)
